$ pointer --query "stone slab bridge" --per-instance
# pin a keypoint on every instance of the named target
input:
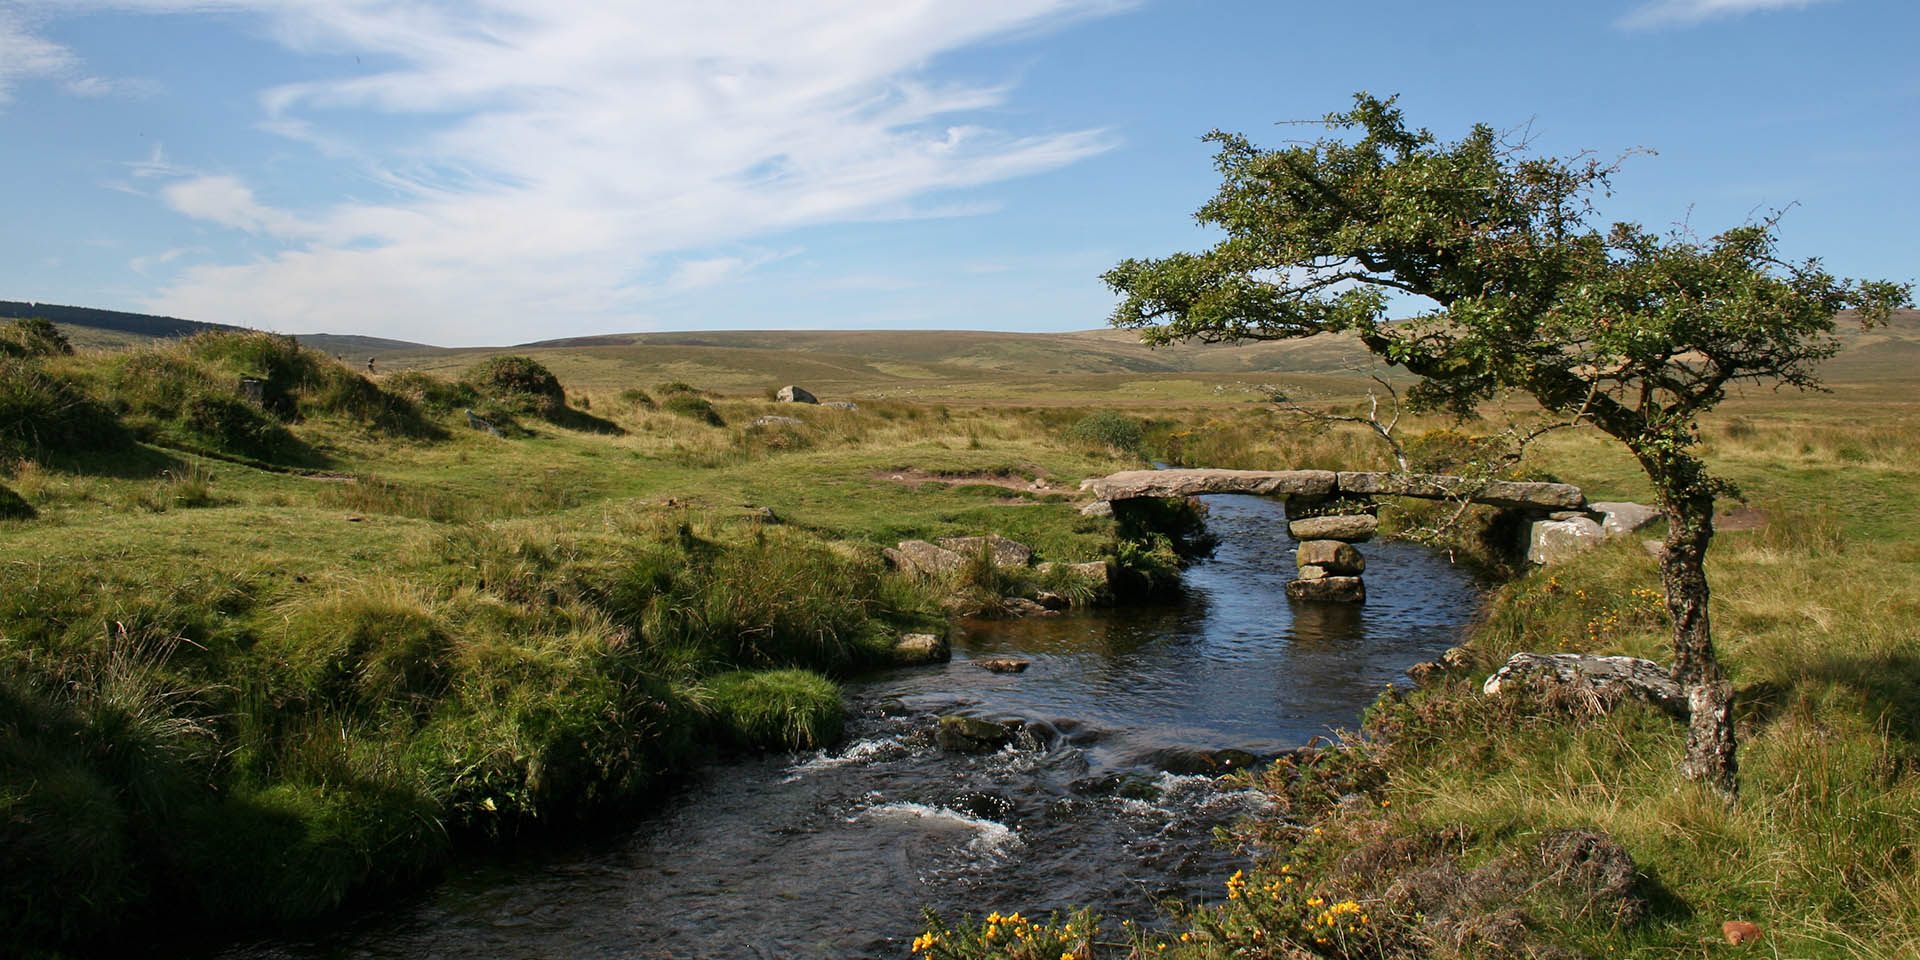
(1328, 511)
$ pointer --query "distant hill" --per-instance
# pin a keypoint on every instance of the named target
(926, 363)
(139, 324)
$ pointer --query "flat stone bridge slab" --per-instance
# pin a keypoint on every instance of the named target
(1135, 484)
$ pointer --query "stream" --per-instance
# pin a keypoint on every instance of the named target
(1108, 799)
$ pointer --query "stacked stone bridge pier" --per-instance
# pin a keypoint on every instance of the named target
(1330, 511)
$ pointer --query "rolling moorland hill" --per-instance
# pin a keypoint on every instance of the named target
(1104, 365)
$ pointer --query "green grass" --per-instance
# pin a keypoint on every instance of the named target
(269, 657)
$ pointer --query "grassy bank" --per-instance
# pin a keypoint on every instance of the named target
(1457, 825)
(275, 635)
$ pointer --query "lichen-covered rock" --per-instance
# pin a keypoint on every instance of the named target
(1334, 556)
(1600, 681)
(1098, 508)
(1330, 589)
(1434, 486)
(1350, 527)
(1312, 572)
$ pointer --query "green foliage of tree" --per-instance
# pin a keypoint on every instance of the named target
(1518, 289)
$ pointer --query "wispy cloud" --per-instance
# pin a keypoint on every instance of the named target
(569, 155)
(1685, 13)
(24, 55)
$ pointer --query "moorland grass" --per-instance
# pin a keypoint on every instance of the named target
(261, 658)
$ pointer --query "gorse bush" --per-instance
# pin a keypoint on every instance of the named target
(520, 384)
(694, 408)
(41, 412)
(1109, 429)
(33, 337)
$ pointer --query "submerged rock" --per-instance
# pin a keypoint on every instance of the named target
(958, 734)
(1330, 589)
(1003, 665)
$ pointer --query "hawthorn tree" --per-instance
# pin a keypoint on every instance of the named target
(1512, 288)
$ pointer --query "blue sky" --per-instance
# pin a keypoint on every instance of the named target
(498, 171)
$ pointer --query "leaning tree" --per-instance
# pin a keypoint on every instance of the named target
(1502, 282)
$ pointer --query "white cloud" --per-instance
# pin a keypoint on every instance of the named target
(227, 201)
(1685, 13)
(24, 55)
(567, 154)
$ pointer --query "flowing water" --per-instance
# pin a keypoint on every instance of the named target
(1108, 798)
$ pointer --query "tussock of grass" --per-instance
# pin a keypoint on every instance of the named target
(777, 709)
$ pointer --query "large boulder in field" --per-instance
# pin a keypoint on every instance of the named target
(1333, 556)
(1350, 527)
(1623, 518)
(793, 394)
(1557, 541)
(1329, 589)
(1006, 553)
(923, 558)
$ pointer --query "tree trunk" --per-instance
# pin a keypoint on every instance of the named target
(1710, 739)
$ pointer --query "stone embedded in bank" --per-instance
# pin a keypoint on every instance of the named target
(1333, 556)
(1006, 553)
(918, 648)
(923, 558)
(1350, 527)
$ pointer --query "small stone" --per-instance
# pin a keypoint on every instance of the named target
(1738, 932)
(841, 405)
(1330, 589)
(1351, 528)
(1003, 665)
(778, 422)
(1098, 508)
(1335, 556)
(1051, 600)
(1313, 572)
